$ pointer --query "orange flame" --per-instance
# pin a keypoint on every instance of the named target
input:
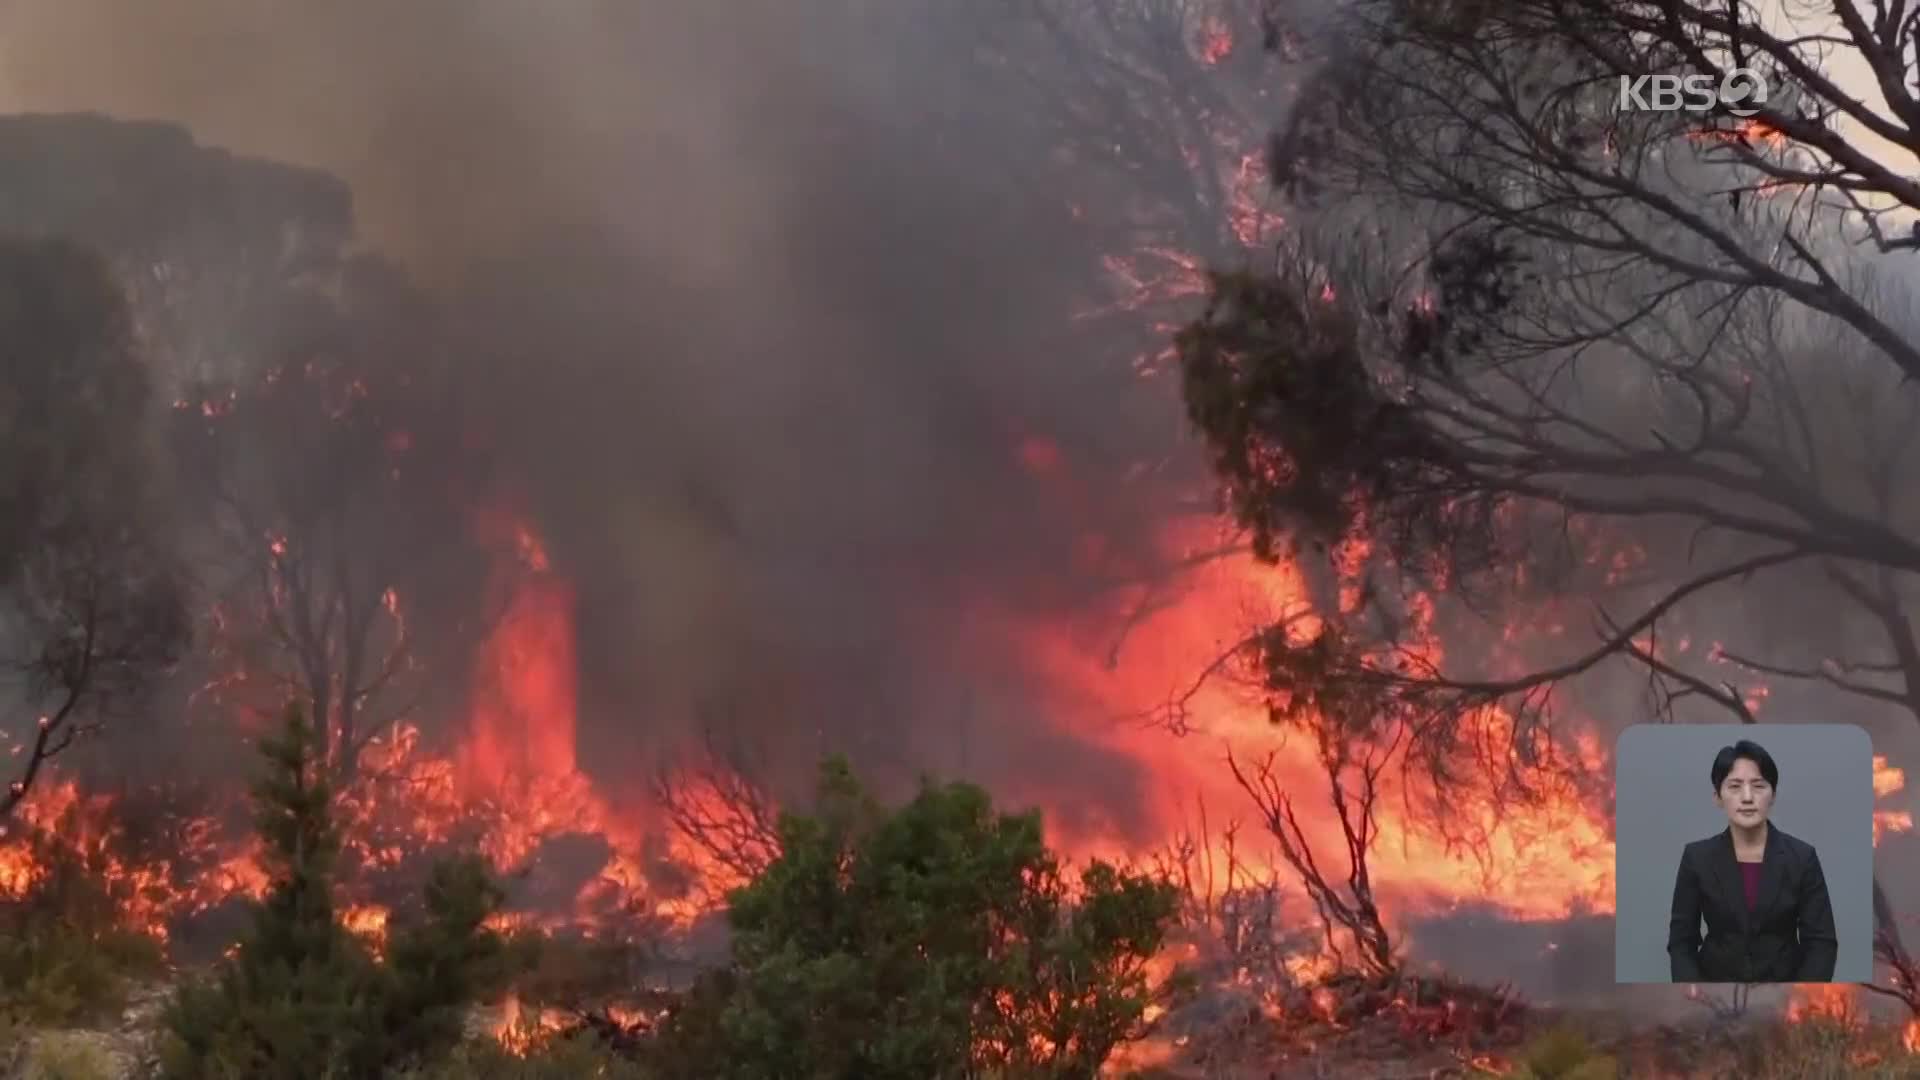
(1748, 131)
(1834, 1002)
(150, 894)
(526, 692)
(520, 1029)
(1887, 781)
(367, 922)
(1542, 861)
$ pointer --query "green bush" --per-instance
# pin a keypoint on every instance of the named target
(66, 955)
(939, 940)
(566, 1058)
(302, 998)
(574, 971)
(68, 1055)
(439, 966)
(1564, 1054)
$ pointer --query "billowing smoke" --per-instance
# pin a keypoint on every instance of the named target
(762, 302)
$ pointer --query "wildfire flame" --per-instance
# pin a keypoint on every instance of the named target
(1541, 862)
(1749, 131)
(369, 923)
(153, 893)
(520, 1029)
(509, 784)
(526, 683)
(1888, 780)
(1833, 1002)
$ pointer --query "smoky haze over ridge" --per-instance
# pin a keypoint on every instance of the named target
(763, 319)
(461, 125)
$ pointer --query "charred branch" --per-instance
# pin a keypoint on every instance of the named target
(1237, 909)
(718, 807)
(1535, 302)
(1349, 916)
(91, 607)
(103, 616)
(1527, 94)
(337, 507)
(1891, 951)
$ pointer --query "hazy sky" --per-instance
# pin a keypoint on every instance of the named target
(457, 121)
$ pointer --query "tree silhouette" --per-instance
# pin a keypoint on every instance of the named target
(89, 584)
(1542, 353)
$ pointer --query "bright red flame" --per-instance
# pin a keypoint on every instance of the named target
(526, 691)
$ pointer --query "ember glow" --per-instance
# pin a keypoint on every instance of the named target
(1216, 40)
(1749, 132)
(153, 892)
(520, 1028)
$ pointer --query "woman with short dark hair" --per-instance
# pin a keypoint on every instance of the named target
(1761, 892)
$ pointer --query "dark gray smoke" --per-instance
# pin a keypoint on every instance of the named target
(760, 301)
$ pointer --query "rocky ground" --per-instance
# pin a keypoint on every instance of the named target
(1224, 1037)
(122, 1050)
(1358, 1029)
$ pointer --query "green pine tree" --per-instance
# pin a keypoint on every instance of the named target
(302, 999)
(293, 1000)
(443, 963)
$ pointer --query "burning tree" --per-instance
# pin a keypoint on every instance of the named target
(1530, 349)
(717, 805)
(337, 513)
(301, 996)
(1349, 912)
(1156, 103)
(1129, 135)
(92, 605)
(306, 503)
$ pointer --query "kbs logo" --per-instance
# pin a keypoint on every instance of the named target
(1740, 91)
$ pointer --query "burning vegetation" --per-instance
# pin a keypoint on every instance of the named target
(1287, 729)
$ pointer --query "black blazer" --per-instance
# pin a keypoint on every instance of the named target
(1789, 936)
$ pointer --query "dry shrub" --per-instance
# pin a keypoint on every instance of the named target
(66, 954)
